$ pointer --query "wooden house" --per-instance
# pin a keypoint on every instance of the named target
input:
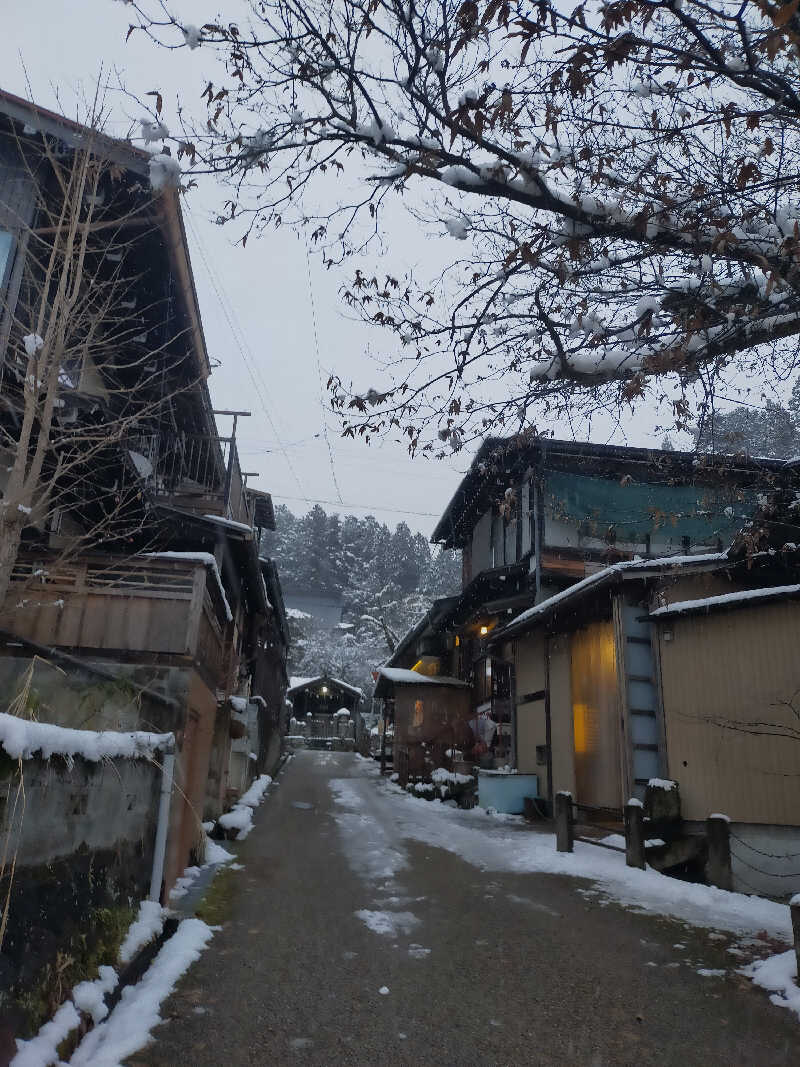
(325, 709)
(149, 566)
(535, 518)
(430, 715)
(322, 695)
(680, 670)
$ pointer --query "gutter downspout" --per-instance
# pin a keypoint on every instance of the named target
(548, 736)
(160, 847)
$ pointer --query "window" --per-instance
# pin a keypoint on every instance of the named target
(418, 713)
(6, 245)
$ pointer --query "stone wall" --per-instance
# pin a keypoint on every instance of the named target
(78, 838)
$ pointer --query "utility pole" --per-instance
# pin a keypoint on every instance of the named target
(231, 452)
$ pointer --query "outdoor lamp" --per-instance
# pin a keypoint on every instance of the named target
(484, 631)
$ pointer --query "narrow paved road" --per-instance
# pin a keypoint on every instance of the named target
(335, 904)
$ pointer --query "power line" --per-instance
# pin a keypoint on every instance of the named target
(319, 375)
(358, 507)
(241, 342)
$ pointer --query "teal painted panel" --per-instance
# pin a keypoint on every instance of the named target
(637, 509)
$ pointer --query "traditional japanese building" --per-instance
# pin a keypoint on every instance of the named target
(535, 518)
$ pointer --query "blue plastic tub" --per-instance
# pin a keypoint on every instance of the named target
(506, 792)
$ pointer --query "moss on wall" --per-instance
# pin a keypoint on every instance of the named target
(65, 920)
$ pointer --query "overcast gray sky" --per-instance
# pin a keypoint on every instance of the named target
(257, 307)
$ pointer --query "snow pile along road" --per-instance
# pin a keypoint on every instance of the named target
(240, 817)
(128, 1027)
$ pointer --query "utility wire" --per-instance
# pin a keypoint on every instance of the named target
(364, 507)
(319, 375)
(241, 343)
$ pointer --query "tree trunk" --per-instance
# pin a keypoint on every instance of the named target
(10, 538)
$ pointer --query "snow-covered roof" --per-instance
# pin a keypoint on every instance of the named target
(407, 677)
(710, 559)
(297, 683)
(301, 683)
(711, 603)
(231, 524)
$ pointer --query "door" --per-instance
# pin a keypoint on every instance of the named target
(596, 716)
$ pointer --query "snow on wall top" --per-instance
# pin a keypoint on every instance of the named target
(708, 603)
(198, 557)
(23, 739)
(407, 677)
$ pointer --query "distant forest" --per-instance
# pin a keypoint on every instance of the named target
(387, 580)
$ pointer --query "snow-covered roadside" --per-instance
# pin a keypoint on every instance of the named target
(387, 815)
(128, 1027)
(240, 817)
(89, 997)
(512, 846)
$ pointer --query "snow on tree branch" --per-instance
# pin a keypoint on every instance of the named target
(621, 177)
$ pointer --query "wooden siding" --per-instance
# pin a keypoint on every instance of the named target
(441, 707)
(482, 544)
(436, 725)
(531, 679)
(719, 673)
(120, 605)
(562, 738)
(596, 715)
(191, 776)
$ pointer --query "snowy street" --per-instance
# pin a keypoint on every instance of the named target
(368, 927)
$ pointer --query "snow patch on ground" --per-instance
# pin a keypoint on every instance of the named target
(388, 923)
(89, 997)
(215, 853)
(240, 817)
(41, 1050)
(778, 974)
(417, 952)
(128, 1027)
(147, 925)
(183, 884)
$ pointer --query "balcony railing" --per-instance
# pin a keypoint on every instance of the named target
(201, 473)
(157, 606)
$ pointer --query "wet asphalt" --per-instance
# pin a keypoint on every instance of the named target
(481, 967)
